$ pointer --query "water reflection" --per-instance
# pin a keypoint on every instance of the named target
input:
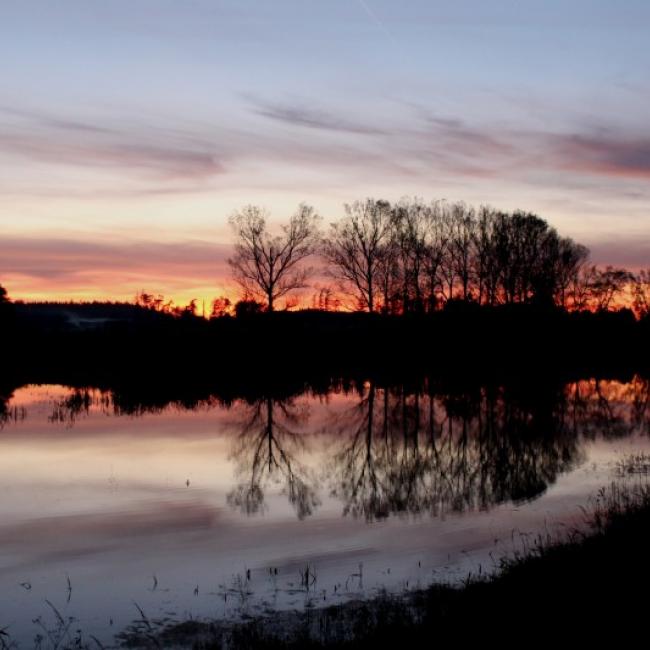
(411, 453)
(111, 487)
(9, 412)
(267, 450)
(393, 450)
(609, 409)
(133, 402)
(77, 404)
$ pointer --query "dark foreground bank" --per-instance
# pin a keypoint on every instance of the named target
(590, 587)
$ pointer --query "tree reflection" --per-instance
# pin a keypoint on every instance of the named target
(427, 450)
(267, 452)
(421, 452)
(609, 409)
(77, 404)
(9, 413)
(401, 449)
(640, 400)
(4, 409)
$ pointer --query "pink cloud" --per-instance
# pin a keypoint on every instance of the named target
(65, 268)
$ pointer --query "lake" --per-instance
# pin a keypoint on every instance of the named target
(114, 506)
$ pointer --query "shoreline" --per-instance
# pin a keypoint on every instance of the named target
(556, 580)
(583, 584)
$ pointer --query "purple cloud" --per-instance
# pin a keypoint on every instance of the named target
(610, 154)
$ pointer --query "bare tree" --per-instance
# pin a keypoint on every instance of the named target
(461, 247)
(435, 252)
(5, 311)
(571, 259)
(221, 307)
(409, 222)
(607, 285)
(579, 292)
(486, 271)
(356, 247)
(641, 293)
(270, 266)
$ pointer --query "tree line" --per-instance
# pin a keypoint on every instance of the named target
(411, 257)
(415, 257)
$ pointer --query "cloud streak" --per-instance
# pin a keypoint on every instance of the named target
(158, 160)
(312, 118)
(612, 155)
(165, 154)
(501, 151)
(38, 256)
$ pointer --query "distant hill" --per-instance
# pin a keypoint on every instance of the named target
(76, 316)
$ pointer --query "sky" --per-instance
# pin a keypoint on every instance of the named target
(130, 130)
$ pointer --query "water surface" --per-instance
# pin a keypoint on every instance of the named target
(212, 507)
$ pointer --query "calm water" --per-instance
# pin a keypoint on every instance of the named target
(214, 509)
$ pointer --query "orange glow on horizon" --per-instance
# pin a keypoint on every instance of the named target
(203, 296)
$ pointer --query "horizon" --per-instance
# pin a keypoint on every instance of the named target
(325, 322)
(130, 132)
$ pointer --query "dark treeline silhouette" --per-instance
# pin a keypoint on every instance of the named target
(434, 287)
(413, 257)
(463, 339)
(409, 257)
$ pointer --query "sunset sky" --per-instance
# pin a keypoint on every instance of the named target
(131, 129)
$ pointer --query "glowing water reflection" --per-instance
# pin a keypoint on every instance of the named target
(210, 507)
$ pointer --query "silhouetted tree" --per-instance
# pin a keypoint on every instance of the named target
(607, 284)
(221, 307)
(597, 289)
(272, 266)
(155, 302)
(436, 253)
(579, 291)
(325, 298)
(410, 221)
(462, 237)
(641, 293)
(7, 313)
(356, 249)
(415, 256)
(570, 260)
(244, 308)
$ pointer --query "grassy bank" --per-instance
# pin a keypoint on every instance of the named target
(589, 586)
